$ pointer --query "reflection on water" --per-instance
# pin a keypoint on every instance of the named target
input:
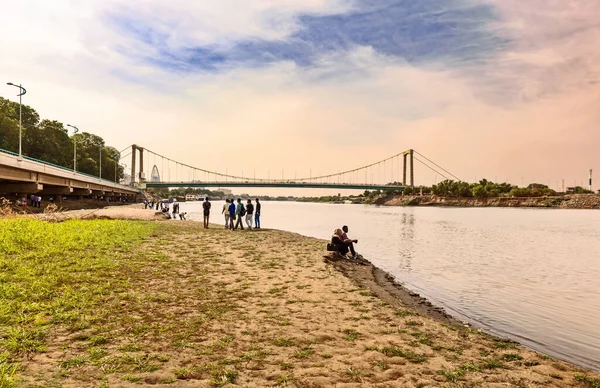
(530, 274)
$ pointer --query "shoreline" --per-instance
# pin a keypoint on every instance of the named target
(568, 201)
(382, 294)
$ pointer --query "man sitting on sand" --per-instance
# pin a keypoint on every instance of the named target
(348, 241)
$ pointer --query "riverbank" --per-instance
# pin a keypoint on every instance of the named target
(124, 302)
(569, 201)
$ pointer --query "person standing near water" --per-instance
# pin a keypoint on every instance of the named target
(257, 215)
(231, 213)
(225, 212)
(240, 212)
(249, 211)
(206, 206)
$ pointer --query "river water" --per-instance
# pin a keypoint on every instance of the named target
(528, 274)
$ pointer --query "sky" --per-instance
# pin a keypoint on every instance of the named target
(501, 89)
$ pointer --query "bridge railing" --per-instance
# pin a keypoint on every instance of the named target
(54, 165)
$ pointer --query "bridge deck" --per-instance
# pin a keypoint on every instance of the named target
(26, 175)
(283, 184)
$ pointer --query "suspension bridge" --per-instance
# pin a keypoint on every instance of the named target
(394, 173)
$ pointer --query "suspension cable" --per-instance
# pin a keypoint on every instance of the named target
(448, 172)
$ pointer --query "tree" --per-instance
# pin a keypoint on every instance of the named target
(9, 127)
(55, 146)
(49, 141)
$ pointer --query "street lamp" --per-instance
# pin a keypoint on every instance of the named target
(23, 91)
(75, 130)
(100, 163)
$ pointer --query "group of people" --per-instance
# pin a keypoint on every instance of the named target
(343, 243)
(36, 200)
(235, 213)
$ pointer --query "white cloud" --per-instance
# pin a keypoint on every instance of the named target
(282, 116)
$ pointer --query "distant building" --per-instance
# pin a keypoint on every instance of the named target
(154, 176)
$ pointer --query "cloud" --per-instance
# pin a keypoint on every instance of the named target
(486, 88)
(451, 31)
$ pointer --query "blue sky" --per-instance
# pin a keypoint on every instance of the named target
(453, 33)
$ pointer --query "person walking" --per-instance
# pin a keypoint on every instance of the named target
(257, 215)
(206, 207)
(249, 211)
(225, 212)
(231, 213)
(240, 212)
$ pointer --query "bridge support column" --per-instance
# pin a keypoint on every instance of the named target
(142, 177)
(412, 168)
(404, 170)
(133, 149)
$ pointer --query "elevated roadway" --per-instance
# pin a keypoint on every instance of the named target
(25, 176)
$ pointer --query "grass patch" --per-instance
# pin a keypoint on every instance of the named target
(284, 342)
(303, 353)
(52, 275)
(452, 375)
(351, 335)
(589, 381)
(394, 351)
(512, 357)
(505, 344)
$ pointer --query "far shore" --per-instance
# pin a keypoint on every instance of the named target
(212, 307)
(568, 201)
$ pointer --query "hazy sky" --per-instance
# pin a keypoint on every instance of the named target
(503, 89)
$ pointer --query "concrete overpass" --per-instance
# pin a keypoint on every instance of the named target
(25, 176)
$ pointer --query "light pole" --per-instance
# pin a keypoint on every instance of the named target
(100, 163)
(116, 161)
(23, 91)
(75, 130)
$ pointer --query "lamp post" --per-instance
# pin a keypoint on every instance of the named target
(22, 92)
(116, 161)
(75, 130)
(100, 163)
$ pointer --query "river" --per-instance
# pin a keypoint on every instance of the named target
(527, 274)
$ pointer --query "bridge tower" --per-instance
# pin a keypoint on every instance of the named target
(406, 154)
(140, 176)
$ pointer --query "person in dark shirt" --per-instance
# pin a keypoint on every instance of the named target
(240, 212)
(206, 207)
(231, 213)
(257, 215)
(249, 214)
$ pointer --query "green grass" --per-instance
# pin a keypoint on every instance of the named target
(53, 275)
(588, 381)
(351, 335)
(394, 351)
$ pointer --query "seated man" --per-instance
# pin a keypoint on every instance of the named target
(348, 241)
(339, 244)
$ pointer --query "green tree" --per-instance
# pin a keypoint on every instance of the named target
(9, 127)
(53, 144)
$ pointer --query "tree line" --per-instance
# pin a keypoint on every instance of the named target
(483, 188)
(49, 141)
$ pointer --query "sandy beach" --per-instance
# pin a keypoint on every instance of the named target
(212, 307)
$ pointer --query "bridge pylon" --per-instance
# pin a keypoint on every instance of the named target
(405, 155)
(141, 176)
